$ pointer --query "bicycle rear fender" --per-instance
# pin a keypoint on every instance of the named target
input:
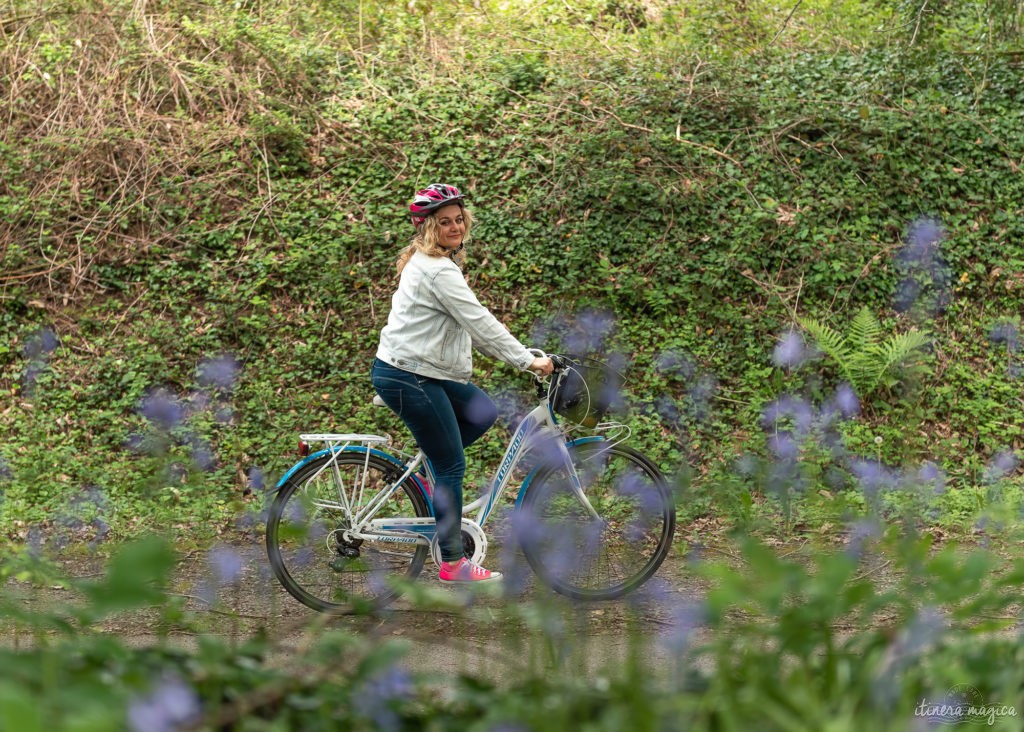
(533, 473)
(359, 449)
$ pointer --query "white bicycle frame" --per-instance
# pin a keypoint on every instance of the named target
(539, 425)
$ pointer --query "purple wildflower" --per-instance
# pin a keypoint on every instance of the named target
(381, 693)
(481, 410)
(924, 631)
(873, 476)
(41, 344)
(255, 480)
(791, 351)
(162, 409)
(676, 364)
(846, 401)
(786, 408)
(701, 395)
(219, 372)
(511, 407)
(685, 619)
(1006, 333)
(525, 531)
(666, 407)
(225, 563)
(170, 706)
(546, 451)
(921, 248)
(590, 332)
(860, 534)
(1000, 466)
(931, 474)
(203, 456)
(784, 446)
(656, 592)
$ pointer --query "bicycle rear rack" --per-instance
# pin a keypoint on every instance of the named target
(340, 441)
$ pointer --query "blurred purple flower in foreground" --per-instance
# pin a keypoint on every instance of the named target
(783, 446)
(41, 344)
(677, 364)
(873, 476)
(255, 480)
(219, 372)
(685, 619)
(163, 409)
(931, 474)
(791, 351)
(861, 532)
(846, 401)
(37, 351)
(1000, 466)
(202, 454)
(1006, 333)
(921, 262)
(225, 563)
(923, 237)
(172, 705)
(590, 332)
(381, 693)
(788, 408)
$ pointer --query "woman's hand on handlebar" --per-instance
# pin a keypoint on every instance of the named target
(541, 366)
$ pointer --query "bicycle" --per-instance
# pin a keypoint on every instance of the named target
(598, 515)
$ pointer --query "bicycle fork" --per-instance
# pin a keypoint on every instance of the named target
(575, 483)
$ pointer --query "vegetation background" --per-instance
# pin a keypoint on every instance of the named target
(190, 188)
(752, 203)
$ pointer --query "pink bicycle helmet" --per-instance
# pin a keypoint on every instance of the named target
(431, 198)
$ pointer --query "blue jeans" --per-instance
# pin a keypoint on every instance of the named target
(444, 417)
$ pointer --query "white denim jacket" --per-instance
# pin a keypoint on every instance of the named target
(436, 320)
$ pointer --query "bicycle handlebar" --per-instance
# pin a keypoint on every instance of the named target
(560, 362)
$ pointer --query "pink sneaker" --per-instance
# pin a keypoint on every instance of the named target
(464, 572)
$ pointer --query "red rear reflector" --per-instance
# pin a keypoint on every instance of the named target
(303, 448)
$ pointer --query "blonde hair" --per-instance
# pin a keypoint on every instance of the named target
(426, 240)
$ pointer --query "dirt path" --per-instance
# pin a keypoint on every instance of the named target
(485, 635)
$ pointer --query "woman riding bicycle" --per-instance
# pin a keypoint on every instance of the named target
(424, 360)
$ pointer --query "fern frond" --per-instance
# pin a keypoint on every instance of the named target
(899, 348)
(865, 330)
(864, 356)
(827, 339)
(894, 352)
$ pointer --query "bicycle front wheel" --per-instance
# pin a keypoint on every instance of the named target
(314, 554)
(605, 538)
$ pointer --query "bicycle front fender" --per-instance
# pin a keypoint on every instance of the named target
(525, 487)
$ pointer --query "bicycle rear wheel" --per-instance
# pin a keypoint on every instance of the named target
(603, 556)
(312, 555)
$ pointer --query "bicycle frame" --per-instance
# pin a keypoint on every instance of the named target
(540, 424)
